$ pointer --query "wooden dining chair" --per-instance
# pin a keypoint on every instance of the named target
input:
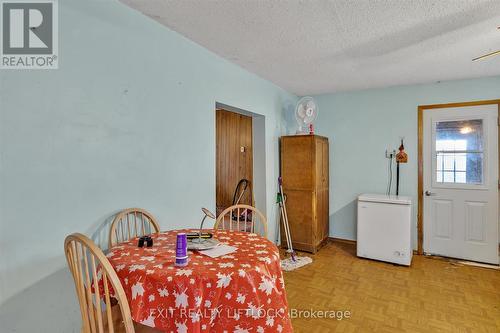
(242, 218)
(87, 262)
(131, 223)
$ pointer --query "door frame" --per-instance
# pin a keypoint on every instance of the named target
(421, 108)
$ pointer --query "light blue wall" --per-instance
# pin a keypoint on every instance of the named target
(127, 120)
(362, 125)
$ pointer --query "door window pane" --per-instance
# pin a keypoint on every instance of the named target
(459, 151)
(448, 177)
(449, 162)
(460, 177)
(439, 177)
(461, 162)
(474, 168)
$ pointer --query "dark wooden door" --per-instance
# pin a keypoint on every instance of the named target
(234, 156)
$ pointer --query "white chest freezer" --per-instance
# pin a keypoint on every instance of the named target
(384, 228)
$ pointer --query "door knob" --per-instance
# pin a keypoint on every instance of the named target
(429, 193)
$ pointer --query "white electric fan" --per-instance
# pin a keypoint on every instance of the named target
(305, 114)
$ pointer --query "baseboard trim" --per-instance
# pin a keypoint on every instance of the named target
(353, 242)
(342, 240)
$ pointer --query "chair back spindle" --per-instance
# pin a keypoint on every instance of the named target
(242, 218)
(89, 265)
(131, 223)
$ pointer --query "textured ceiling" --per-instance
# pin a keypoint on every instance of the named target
(313, 47)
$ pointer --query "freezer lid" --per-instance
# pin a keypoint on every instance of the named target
(383, 198)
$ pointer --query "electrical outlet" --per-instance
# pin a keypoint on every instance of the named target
(390, 153)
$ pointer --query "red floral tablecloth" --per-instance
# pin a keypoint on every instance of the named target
(239, 292)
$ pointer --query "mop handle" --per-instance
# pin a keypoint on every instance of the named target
(287, 227)
(285, 224)
(282, 210)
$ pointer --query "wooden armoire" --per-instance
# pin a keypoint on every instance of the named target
(304, 170)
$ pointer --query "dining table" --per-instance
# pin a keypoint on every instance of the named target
(239, 292)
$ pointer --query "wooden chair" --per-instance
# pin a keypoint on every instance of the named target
(242, 218)
(131, 223)
(86, 261)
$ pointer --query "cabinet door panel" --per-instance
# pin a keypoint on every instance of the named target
(326, 165)
(300, 218)
(321, 163)
(297, 157)
(323, 216)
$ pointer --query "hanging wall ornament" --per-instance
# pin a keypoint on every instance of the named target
(402, 157)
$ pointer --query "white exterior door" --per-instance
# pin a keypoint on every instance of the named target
(460, 174)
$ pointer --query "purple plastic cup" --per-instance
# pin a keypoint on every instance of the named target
(181, 262)
(181, 255)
